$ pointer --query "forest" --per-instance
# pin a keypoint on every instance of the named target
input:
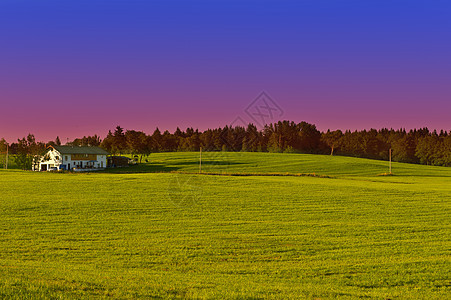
(420, 146)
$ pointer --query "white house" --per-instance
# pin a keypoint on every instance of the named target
(75, 158)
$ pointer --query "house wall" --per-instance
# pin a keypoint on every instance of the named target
(54, 160)
(83, 157)
(80, 161)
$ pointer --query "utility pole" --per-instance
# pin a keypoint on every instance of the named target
(200, 161)
(390, 160)
(7, 155)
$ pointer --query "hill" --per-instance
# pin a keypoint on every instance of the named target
(258, 162)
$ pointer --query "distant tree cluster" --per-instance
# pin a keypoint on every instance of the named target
(416, 146)
(25, 150)
(84, 141)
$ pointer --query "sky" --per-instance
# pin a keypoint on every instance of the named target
(74, 68)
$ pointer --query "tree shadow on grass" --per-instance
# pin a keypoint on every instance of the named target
(166, 168)
(142, 168)
(208, 162)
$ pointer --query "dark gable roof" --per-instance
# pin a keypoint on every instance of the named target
(80, 150)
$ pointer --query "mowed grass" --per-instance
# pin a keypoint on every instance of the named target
(132, 234)
(255, 162)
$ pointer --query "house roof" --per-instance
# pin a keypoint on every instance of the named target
(80, 150)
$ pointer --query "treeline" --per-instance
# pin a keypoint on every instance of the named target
(415, 146)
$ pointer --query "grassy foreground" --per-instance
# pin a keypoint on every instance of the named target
(132, 234)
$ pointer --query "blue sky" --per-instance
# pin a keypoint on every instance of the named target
(91, 65)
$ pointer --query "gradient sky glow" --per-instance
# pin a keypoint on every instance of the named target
(74, 68)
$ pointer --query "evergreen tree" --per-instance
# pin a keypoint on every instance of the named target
(156, 141)
(107, 142)
(119, 141)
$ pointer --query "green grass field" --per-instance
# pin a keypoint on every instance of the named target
(143, 232)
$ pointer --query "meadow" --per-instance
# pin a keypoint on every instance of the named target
(253, 226)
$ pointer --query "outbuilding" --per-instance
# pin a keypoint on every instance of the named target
(119, 161)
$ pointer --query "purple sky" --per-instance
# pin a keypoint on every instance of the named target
(82, 67)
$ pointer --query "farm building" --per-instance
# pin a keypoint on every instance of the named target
(119, 161)
(76, 158)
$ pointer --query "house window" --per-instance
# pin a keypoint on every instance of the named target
(65, 157)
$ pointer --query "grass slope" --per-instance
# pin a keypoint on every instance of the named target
(177, 235)
(255, 162)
